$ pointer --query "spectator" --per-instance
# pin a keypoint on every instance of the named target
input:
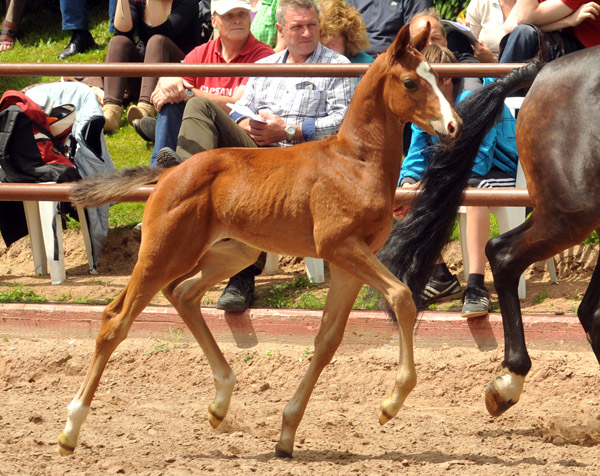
(551, 29)
(235, 44)
(314, 110)
(166, 30)
(11, 22)
(495, 166)
(384, 19)
(263, 25)
(490, 21)
(75, 19)
(344, 31)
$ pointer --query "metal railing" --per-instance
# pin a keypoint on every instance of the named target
(60, 192)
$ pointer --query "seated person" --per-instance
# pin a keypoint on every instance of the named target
(495, 166)
(294, 109)
(490, 22)
(344, 31)
(235, 44)
(166, 31)
(383, 20)
(575, 24)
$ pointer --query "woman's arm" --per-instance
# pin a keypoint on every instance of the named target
(123, 21)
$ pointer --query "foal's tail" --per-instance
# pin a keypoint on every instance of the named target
(416, 241)
(111, 187)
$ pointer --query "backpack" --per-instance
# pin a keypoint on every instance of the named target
(32, 143)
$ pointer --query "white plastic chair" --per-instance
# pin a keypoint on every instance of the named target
(315, 267)
(508, 217)
(45, 231)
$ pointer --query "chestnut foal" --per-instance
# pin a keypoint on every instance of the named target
(209, 217)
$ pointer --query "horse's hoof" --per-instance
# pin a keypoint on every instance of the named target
(384, 416)
(281, 453)
(214, 419)
(64, 447)
(494, 401)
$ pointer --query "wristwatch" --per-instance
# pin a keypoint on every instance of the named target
(290, 132)
(189, 92)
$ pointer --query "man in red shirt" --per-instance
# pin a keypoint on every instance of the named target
(235, 44)
(575, 24)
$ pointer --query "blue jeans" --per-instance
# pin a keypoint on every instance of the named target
(74, 15)
(523, 44)
(112, 7)
(167, 128)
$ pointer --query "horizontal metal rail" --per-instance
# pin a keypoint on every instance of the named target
(60, 192)
(239, 70)
(514, 197)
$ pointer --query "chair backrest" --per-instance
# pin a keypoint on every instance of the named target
(514, 104)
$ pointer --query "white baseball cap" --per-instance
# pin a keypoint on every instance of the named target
(223, 6)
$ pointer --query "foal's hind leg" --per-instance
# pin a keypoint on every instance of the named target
(221, 261)
(117, 319)
(342, 294)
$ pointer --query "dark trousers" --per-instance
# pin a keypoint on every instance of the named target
(523, 43)
(121, 49)
(205, 126)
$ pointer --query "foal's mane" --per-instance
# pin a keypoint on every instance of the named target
(416, 241)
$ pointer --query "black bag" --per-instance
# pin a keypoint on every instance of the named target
(32, 143)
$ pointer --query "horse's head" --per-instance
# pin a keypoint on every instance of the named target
(411, 88)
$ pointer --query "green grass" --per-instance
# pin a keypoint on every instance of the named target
(21, 294)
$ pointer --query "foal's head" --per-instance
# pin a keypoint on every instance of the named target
(411, 88)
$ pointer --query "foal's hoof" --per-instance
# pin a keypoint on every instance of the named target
(384, 416)
(214, 419)
(64, 447)
(495, 402)
(282, 453)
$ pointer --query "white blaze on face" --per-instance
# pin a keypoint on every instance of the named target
(439, 125)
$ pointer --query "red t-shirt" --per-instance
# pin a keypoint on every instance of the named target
(587, 32)
(210, 52)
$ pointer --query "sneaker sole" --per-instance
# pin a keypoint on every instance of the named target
(447, 297)
(472, 314)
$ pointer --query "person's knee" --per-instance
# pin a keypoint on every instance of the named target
(155, 47)
(199, 107)
(524, 34)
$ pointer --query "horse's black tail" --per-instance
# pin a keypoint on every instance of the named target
(417, 240)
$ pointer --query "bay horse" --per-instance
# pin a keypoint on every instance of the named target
(209, 217)
(559, 149)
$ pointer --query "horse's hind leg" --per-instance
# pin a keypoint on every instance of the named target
(589, 311)
(509, 255)
(220, 262)
(117, 319)
(342, 294)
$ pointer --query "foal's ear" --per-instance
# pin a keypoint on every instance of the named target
(401, 43)
(420, 39)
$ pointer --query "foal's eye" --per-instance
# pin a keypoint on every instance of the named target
(410, 84)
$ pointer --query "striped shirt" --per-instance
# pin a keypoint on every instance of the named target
(318, 104)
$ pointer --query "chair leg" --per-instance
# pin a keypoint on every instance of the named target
(462, 229)
(34, 225)
(52, 233)
(85, 232)
(315, 269)
(272, 264)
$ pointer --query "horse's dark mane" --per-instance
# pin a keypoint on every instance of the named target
(416, 241)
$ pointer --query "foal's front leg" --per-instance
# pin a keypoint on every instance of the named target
(342, 294)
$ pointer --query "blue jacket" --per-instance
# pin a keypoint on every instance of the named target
(498, 149)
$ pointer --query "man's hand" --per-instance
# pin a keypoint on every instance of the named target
(265, 133)
(168, 91)
(483, 53)
(402, 210)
